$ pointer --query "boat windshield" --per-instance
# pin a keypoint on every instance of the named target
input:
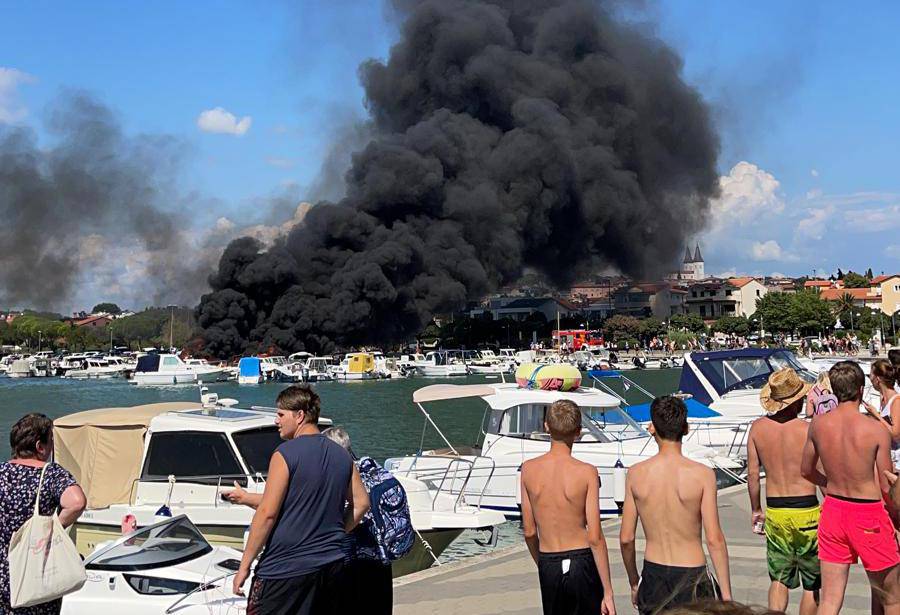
(613, 424)
(750, 372)
(168, 543)
(598, 424)
(256, 447)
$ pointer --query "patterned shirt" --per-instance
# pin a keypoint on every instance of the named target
(18, 486)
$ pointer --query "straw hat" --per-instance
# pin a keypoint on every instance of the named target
(784, 388)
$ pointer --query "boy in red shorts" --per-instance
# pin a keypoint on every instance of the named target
(854, 524)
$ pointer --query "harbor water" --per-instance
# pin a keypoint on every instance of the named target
(379, 415)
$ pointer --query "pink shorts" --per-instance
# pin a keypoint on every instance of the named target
(851, 530)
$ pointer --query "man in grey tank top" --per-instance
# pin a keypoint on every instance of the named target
(300, 518)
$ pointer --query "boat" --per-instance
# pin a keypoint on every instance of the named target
(356, 366)
(20, 368)
(485, 362)
(165, 369)
(319, 369)
(487, 473)
(441, 363)
(96, 369)
(249, 371)
(165, 567)
(277, 368)
(389, 367)
(179, 456)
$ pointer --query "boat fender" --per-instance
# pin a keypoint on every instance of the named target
(619, 472)
(519, 487)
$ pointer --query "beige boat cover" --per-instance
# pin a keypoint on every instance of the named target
(103, 448)
(439, 392)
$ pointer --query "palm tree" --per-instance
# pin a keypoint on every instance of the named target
(843, 304)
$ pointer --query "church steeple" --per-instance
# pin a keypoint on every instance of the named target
(687, 255)
(697, 257)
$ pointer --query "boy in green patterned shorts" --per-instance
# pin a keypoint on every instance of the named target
(791, 518)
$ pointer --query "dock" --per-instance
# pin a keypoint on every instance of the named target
(505, 581)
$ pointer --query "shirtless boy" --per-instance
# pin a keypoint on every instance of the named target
(561, 522)
(791, 518)
(675, 499)
(855, 451)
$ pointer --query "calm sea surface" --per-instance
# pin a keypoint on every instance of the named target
(379, 415)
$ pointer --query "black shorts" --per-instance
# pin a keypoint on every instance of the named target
(368, 587)
(665, 587)
(570, 583)
(314, 593)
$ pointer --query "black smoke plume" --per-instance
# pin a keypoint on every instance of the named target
(92, 181)
(506, 134)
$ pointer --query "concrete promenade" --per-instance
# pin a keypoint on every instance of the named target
(505, 581)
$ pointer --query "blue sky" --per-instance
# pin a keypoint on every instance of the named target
(805, 94)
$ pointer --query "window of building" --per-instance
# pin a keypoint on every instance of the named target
(195, 456)
(757, 293)
(897, 288)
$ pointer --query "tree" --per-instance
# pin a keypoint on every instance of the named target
(774, 312)
(840, 274)
(108, 308)
(869, 273)
(854, 280)
(621, 327)
(811, 314)
(651, 327)
(689, 322)
(732, 325)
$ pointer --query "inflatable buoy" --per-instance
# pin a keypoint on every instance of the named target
(555, 377)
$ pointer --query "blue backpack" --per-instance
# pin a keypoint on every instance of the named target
(388, 519)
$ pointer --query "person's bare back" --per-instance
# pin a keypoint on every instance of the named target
(557, 488)
(849, 445)
(779, 447)
(667, 493)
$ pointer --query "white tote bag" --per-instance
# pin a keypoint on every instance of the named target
(43, 562)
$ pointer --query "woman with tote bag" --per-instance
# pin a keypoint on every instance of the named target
(31, 440)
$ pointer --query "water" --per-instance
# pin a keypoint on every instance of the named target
(379, 415)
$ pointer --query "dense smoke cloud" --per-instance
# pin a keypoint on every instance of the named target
(505, 135)
(95, 195)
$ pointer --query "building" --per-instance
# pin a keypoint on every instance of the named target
(713, 298)
(862, 297)
(659, 299)
(823, 284)
(522, 307)
(692, 268)
(96, 322)
(780, 285)
(887, 289)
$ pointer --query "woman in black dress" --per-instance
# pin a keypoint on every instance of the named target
(31, 440)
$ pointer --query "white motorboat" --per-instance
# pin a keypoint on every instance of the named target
(486, 362)
(166, 567)
(166, 369)
(20, 368)
(96, 369)
(179, 456)
(389, 367)
(279, 369)
(250, 371)
(319, 369)
(487, 474)
(441, 363)
(356, 366)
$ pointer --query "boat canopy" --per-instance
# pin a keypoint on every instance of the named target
(440, 392)
(360, 363)
(728, 370)
(148, 363)
(249, 366)
(104, 448)
(696, 410)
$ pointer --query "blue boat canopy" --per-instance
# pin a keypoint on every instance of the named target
(696, 410)
(249, 366)
(604, 373)
(147, 363)
(728, 370)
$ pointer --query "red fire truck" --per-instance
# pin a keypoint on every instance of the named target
(577, 339)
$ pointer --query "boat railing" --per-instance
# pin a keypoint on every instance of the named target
(203, 480)
(463, 469)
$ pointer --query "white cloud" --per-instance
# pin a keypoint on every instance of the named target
(777, 275)
(892, 251)
(873, 220)
(11, 108)
(814, 193)
(813, 226)
(728, 273)
(219, 120)
(269, 233)
(746, 193)
(281, 163)
(223, 225)
(813, 172)
(766, 251)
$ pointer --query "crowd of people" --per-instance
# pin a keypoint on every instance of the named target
(316, 548)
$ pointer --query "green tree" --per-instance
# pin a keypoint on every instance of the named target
(651, 327)
(620, 327)
(869, 274)
(688, 322)
(732, 325)
(109, 308)
(774, 312)
(840, 274)
(811, 314)
(854, 280)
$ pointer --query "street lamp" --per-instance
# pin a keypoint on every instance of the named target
(40, 341)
